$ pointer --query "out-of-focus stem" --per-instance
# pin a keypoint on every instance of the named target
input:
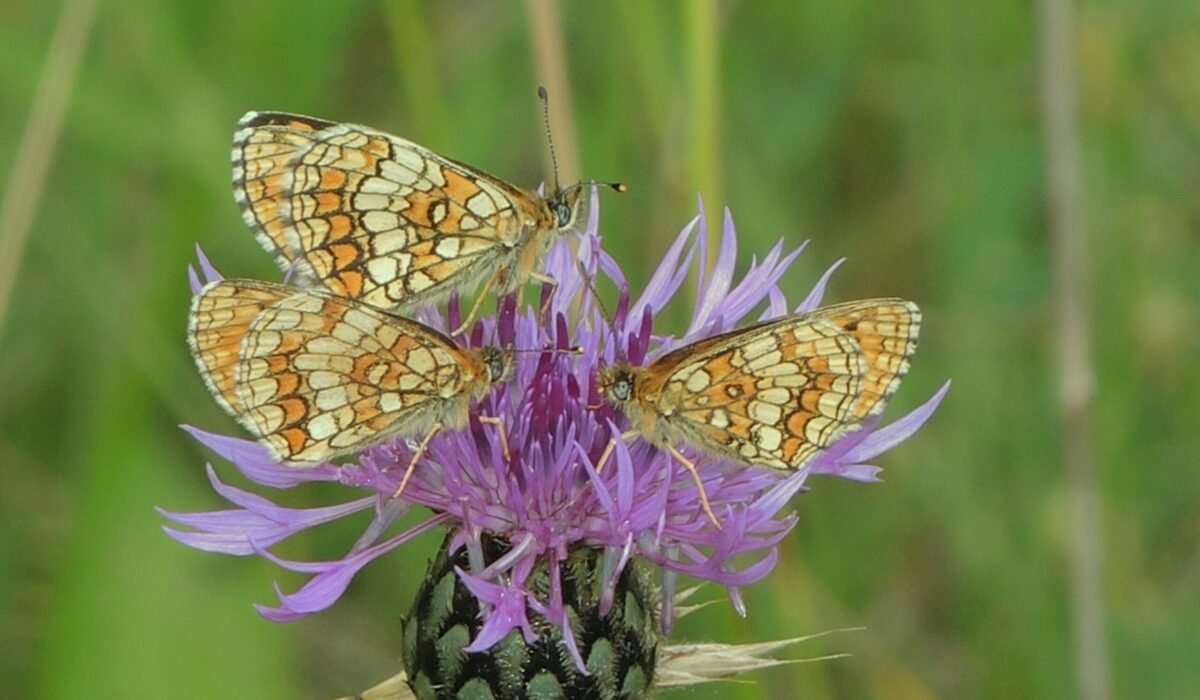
(416, 68)
(703, 76)
(1075, 389)
(550, 66)
(42, 129)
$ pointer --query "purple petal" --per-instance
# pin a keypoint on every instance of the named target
(669, 274)
(260, 521)
(231, 543)
(194, 282)
(612, 270)
(717, 285)
(280, 615)
(256, 463)
(332, 579)
(813, 300)
(508, 612)
(757, 284)
(777, 306)
(778, 496)
(210, 273)
(862, 473)
(884, 439)
(752, 574)
(601, 490)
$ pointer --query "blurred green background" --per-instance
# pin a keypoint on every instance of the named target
(906, 137)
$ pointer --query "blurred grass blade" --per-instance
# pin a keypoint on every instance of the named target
(550, 67)
(1076, 383)
(36, 149)
(416, 69)
(704, 113)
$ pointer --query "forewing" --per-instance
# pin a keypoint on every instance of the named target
(381, 219)
(220, 316)
(772, 395)
(886, 332)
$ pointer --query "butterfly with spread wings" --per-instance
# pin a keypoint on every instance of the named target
(373, 217)
(314, 376)
(771, 395)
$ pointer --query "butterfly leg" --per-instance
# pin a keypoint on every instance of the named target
(612, 444)
(291, 271)
(493, 420)
(691, 467)
(546, 279)
(483, 293)
(412, 463)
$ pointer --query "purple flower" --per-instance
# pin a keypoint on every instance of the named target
(531, 480)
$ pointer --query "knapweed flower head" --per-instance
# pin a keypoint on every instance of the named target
(523, 473)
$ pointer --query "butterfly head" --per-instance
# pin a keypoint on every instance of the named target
(566, 206)
(616, 383)
(499, 365)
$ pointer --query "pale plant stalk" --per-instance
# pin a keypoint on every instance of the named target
(653, 77)
(703, 80)
(550, 67)
(1076, 380)
(35, 151)
(424, 101)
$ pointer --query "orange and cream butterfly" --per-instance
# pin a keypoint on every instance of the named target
(314, 376)
(373, 217)
(773, 394)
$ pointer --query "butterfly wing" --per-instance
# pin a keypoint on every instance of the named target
(316, 376)
(777, 393)
(375, 217)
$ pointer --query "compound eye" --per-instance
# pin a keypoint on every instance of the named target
(497, 369)
(622, 389)
(563, 213)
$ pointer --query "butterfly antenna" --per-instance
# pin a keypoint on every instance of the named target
(612, 325)
(545, 98)
(616, 186)
(570, 350)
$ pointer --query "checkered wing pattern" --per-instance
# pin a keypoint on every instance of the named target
(777, 393)
(264, 147)
(314, 376)
(374, 217)
(218, 323)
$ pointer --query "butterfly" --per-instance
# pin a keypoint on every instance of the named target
(770, 395)
(314, 376)
(373, 217)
